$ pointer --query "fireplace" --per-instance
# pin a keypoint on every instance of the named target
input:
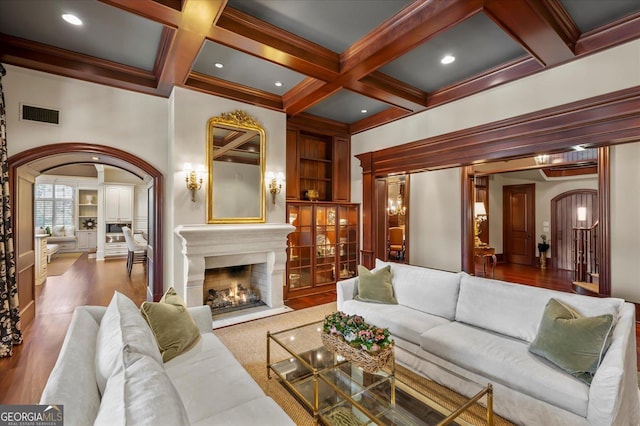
(230, 289)
(262, 246)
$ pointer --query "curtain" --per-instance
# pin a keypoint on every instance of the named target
(10, 333)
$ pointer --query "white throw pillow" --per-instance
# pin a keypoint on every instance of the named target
(58, 231)
(69, 230)
(140, 393)
(122, 324)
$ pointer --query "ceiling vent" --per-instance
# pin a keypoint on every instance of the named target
(41, 115)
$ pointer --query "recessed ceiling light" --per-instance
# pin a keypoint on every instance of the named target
(218, 65)
(579, 148)
(72, 19)
(278, 83)
(364, 111)
(447, 59)
(95, 158)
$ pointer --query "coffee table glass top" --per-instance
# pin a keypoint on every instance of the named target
(338, 392)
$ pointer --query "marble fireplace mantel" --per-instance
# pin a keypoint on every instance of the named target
(216, 246)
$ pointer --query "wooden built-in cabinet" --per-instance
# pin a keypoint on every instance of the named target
(320, 162)
(323, 248)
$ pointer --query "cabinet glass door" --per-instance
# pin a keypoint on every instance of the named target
(325, 244)
(300, 246)
(347, 241)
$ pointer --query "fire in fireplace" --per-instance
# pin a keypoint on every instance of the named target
(229, 289)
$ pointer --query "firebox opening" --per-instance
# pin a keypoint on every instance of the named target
(231, 288)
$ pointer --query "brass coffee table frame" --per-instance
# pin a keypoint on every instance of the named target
(318, 376)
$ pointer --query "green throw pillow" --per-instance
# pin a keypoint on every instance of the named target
(376, 286)
(574, 343)
(172, 324)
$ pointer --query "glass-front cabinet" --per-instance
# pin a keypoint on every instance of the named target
(323, 248)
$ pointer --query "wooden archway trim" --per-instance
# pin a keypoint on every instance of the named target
(598, 122)
(25, 157)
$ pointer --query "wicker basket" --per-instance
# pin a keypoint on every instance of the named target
(369, 362)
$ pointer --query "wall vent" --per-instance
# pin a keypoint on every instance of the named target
(41, 115)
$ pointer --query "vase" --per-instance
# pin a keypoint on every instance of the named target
(543, 260)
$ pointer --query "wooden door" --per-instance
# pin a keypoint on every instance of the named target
(25, 247)
(519, 223)
(564, 218)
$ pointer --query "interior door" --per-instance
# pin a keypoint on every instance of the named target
(518, 221)
(25, 247)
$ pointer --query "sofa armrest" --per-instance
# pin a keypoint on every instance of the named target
(346, 290)
(613, 396)
(97, 312)
(202, 316)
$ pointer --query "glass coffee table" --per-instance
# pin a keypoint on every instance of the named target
(337, 392)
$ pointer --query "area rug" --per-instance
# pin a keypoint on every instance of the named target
(61, 262)
(247, 342)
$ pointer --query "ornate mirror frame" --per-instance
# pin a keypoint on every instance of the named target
(241, 123)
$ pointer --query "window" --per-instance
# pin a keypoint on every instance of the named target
(53, 205)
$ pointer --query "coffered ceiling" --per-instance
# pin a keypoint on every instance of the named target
(346, 64)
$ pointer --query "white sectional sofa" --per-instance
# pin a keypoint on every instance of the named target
(458, 329)
(205, 385)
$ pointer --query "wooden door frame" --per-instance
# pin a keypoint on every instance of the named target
(531, 220)
(596, 122)
(25, 157)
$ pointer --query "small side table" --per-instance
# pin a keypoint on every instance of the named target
(487, 254)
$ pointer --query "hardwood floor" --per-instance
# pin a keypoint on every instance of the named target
(88, 282)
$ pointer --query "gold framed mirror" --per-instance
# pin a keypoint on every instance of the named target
(236, 162)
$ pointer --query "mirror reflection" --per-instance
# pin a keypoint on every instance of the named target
(235, 150)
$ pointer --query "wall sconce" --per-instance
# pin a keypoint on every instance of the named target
(274, 184)
(480, 215)
(193, 179)
(399, 209)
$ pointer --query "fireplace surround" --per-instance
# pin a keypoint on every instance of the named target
(262, 245)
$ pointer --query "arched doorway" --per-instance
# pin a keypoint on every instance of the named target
(564, 218)
(42, 158)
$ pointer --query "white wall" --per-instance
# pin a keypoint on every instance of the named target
(545, 192)
(190, 112)
(164, 132)
(625, 222)
(435, 235)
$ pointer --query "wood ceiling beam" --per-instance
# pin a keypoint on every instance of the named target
(195, 22)
(263, 40)
(535, 28)
(149, 9)
(42, 57)
(411, 27)
(226, 89)
(390, 90)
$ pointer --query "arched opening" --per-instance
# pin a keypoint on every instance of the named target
(40, 159)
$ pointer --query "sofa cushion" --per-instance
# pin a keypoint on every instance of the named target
(140, 392)
(72, 382)
(198, 373)
(375, 286)
(402, 322)
(171, 324)
(506, 361)
(572, 342)
(121, 324)
(428, 290)
(515, 310)
(265, 409)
